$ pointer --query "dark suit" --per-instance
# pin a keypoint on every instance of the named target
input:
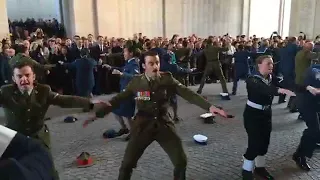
(84, 68)
(6, 71)
(309, 108)
(24, 158)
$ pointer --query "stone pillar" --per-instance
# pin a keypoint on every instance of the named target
(245, 24)
(304, 18)
(4, 26)
(79, 17)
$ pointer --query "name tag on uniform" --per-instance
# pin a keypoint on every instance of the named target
(143, 95)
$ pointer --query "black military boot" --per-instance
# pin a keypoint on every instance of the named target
(263, 173)
(179, 174)
(247, 175)
(301, 162)
(124, 175)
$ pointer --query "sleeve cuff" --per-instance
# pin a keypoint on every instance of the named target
(6, 136)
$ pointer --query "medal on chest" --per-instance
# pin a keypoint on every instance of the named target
(143, 96)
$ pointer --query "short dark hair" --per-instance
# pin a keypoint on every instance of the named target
(23, 63)
(21, 49)
(260, 59)
(152, 53)
(135, 51)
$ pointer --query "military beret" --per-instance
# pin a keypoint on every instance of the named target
(70, 119)
(110, 133)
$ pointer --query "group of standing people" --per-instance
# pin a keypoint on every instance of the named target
(143, 86)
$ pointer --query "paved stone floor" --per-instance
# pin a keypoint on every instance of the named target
(219, 160)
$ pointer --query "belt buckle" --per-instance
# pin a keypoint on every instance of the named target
(266, 107)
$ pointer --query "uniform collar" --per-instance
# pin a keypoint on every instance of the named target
(29, 91)
(130, 60)
(149, 78)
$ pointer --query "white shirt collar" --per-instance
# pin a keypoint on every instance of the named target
(29, 91)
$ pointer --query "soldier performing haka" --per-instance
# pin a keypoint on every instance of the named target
(25, 104)
(261, 87)
(152, 123)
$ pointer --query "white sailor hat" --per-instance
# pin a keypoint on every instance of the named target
(200, 139)
(206, 115)
(6, 136)
(225, 96)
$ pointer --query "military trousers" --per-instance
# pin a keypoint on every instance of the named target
(145, 130)
(311, 135)
(213, 67)
(258, 126)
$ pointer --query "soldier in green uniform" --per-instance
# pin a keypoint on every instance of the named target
(183, 56)
(25, 104)
(152, 123)
(211, 53)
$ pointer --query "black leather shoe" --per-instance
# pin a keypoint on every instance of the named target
(263, 173)
(247, 175)
(122, 132)
(301, 162)
(199, 92)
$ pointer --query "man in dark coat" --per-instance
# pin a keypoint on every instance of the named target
(287, 64)
(22, 158)
(84, 68)
(309, 108)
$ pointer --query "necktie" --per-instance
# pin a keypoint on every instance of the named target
(26, 96)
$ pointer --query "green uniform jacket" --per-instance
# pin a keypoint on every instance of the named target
(212, 52)
(302, 63)
(154, 98)
(26, 114)
(184, 53)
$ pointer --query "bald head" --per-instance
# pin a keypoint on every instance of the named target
(308, 46)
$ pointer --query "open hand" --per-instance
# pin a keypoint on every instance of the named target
(116, 71)
(215, 110)
(313, 90)
(106, 66)
(286, 91)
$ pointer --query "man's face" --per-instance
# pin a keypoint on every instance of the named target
(11, 52)
(100, 39)
(127, 55)
(90, 38)
(68, 42)
(26, 43)
(152, 65)
(24, 78)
